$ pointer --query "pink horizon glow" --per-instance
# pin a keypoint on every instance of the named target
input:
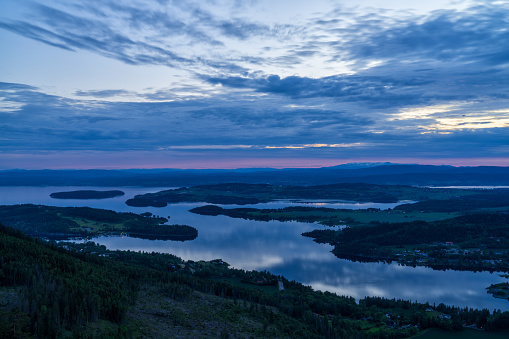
(148, 161)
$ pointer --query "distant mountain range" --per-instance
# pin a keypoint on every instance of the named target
(372, 173)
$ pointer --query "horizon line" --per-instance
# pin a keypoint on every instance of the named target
(367, 165)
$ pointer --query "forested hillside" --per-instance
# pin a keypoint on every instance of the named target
(49, 291)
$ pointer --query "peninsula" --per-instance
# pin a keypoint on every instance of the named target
(70, 222)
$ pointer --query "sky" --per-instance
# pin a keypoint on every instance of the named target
(252, 83)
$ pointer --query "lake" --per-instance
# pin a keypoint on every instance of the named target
(278, 247)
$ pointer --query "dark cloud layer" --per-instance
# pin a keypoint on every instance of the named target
(373, 90)
(45, 122)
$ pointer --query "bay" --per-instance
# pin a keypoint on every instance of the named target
(278, 247)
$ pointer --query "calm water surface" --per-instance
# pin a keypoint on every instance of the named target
(278, 247)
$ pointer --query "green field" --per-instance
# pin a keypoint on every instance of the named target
(93, 226)
(467, 333)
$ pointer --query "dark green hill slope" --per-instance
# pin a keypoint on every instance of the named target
(53, 292)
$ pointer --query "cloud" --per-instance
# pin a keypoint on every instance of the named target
(6, 86)
(402, 61)
(186, 35)
(42, 121)
(177, 35)
(103, 93)
(358, 144)
(88, 118)
(376, 91)
(59, 123)
(95, 33)
(473, 35)
(207, 147)
(242, 30)
(36, 33)
(399, 61)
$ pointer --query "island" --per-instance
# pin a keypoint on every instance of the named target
(250, 194)
(144, 202)
(70, 222)
(87, 194)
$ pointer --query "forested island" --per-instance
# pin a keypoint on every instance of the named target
(244, 194)
(87, 194)
(70, 222)
(84, 290)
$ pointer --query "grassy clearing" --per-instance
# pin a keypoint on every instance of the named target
(465, 334)
(366, 325)
(96, 226)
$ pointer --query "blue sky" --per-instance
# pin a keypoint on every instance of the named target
(228, 84)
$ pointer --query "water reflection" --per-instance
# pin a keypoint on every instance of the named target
(280, 248)
(391, 280)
